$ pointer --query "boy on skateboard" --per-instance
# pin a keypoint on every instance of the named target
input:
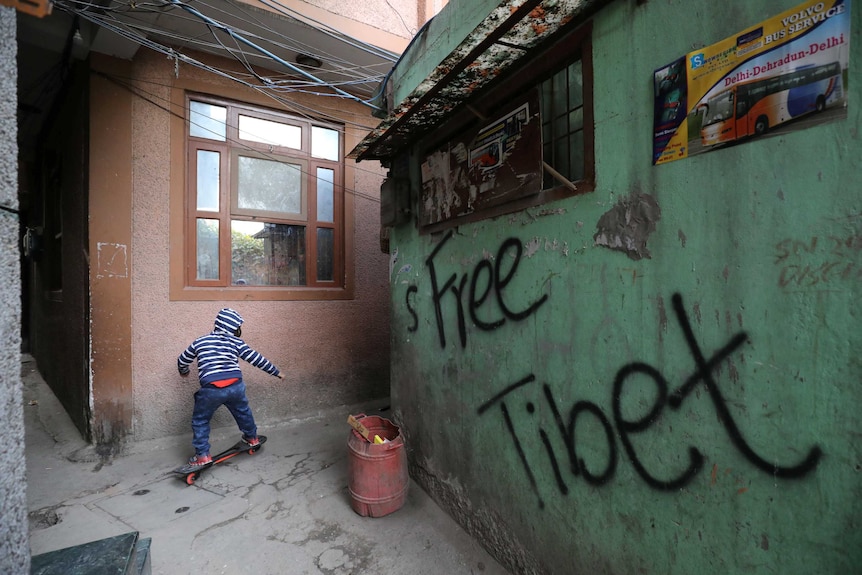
(218, 355)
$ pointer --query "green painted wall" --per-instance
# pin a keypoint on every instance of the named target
(444, 32)
(779, 372)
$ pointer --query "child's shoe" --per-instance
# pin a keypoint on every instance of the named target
(251, 441)
(199, 461)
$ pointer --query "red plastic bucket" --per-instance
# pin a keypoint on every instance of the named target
(377, 473)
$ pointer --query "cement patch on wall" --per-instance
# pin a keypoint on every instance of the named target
(626, 227)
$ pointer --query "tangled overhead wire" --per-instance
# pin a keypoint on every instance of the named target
(252, 38)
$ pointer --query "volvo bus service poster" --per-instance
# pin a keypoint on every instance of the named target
(786, 73)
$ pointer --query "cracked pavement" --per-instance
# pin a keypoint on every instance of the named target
(285, 509)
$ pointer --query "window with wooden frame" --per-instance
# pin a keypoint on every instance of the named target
(533, 127)
(563, 136)
(265, 206)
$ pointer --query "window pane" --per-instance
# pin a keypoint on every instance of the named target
(561, 126)
(546, 104)
(563, 123)
(269, 185)
(207, 121)
(576, 119)
(325, 253)
(265, 254)
(324, 143)
(208, 180)
(576, 89)
(207, 249)
(561, 156)
(576, 154)
(324, 194)
(559, 97)
(269, 132)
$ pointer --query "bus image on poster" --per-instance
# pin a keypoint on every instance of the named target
(781, 75)
(752, 108)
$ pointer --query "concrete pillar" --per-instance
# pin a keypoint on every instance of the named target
(14, 548)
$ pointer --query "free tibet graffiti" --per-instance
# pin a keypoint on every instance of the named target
(599, 473)
(488, 281)
(472, 295)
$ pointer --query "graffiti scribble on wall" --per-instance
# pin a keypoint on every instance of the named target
(618, 426)
(818, 262)
(626, 226)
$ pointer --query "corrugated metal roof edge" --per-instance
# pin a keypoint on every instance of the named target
(472, 65)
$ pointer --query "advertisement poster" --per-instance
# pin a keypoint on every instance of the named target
(787, 73)
(498, 162)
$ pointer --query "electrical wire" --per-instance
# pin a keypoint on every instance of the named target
(410, 30)
(298, 46)
(173, 54)
(275, 4)
(354, 74)
(134, 29)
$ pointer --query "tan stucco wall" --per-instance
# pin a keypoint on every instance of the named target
(333, 353)
(398, 17)
(387, 24)
(109, 241)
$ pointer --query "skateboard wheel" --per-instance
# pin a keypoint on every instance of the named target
(190, 478)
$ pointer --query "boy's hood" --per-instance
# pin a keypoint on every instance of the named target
(228, 320)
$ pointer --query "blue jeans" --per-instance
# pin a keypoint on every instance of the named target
(207, 400)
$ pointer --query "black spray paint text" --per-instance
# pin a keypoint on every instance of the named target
(487, 279)
(598, 473)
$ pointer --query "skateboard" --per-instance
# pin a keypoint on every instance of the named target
(190, 474)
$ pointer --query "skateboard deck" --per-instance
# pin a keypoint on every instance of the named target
(190, 474)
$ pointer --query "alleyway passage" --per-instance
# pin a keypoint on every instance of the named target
(285, 510)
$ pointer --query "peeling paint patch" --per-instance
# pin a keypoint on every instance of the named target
(111, 260)
(626, 226)
(554, 246)
(393, 259)
(532, 247)
(552, 212)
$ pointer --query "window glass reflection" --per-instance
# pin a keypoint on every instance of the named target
(207, 121)
(207, 249)
(265, 254)
(324, 143)
(325, 208)
(208, 180)
(269, 132)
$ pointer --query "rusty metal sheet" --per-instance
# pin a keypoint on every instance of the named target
(483, 55)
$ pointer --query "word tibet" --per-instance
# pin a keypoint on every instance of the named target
(599, 473)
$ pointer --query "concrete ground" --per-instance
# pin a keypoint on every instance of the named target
(284, 510)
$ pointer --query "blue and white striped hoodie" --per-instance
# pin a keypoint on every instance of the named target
(218, 353)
